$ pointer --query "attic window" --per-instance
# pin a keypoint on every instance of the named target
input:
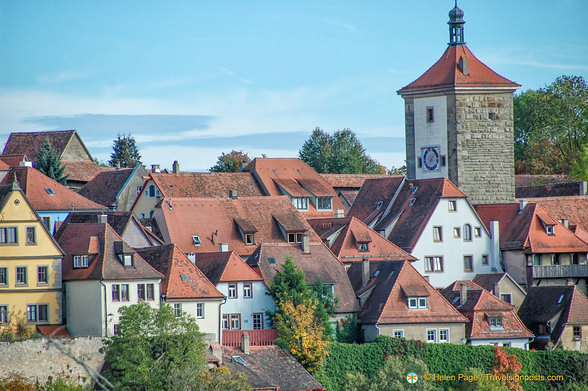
(183, 277)
(301, 203)
(549, 230)
(272, 260)
(127, 259)
(249, 239)
(363, 247)
(80, 261)
(196, 240)
(50, 191)
(324, 203)
(417, 303)
(376, 273)
(560, 299)
(495, 322)
(295, 238)
(412, 201)
(452, 205)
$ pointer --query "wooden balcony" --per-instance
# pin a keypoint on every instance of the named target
(232, 338)
(560, 271)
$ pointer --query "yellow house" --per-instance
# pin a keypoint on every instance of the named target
(30, 263)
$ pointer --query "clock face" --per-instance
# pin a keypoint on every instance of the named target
(431, 158)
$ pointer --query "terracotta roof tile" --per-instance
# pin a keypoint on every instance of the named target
(105, 186)
(573, 209)
(83, 171)
(374, 197)
(34, 184)
(316, 187)
(28, 142)
(445, 74)
(206, 184)
(349, 181)
(291, 187)
(13, 160)
(551, 190)
(534, 180)
(225, 267)
(488, 280)
(53, 331)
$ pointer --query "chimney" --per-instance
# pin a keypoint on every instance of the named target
(102, 218)
(496, 290)
(339, 213)
(223, 247)
(583, 188)
(494, 245)
(217, 352)
(242, 165)
(365, 271)
(569, 282)
(245, 343)
(192, 257)
(463, 293)
(176, 167)
(155, 168)
(522, 205)
(25, 164)
(233, 194)
(305, 244)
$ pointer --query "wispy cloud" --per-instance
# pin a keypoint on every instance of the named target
(232, 74)
(346, 26)
(62, 77)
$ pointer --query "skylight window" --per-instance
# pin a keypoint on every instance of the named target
(196, 240)
(412, 201)
(379, 204)
(239, 359)
(272, 260)
(414, 190)
(50, 191)
(183, 277)
(560, 299)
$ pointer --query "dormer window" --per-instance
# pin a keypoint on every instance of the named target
(363, 247)
(295, 237)
(196, 240)
(549, 230)
(127, 260)
(249, 240)
(301, 203)
(495, 322)
(417, 303)
(124, 255)
(80, 261)
(324, 203)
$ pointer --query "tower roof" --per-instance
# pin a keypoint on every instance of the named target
(457, 69)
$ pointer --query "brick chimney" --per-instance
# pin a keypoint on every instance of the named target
(217, 351)
(245, 343)
(365, 271)
(176, 167)
(463, 293)
(305, 244)
(102, 218)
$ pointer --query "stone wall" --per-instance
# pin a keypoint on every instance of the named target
(40, 359)
(75, 151)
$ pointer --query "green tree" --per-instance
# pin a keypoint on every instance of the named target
(551, 126)
(48, 163)
(340, 153)
(125, 152)
(230, 162)
(349, 331)
(580, 169)
(154, 350)
(220, 379)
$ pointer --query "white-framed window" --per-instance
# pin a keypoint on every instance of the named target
(233, 291)
(21, 275)
(324, 203)
(3, 276)
(477, 232)
(422, 303)
(398, 333)
(363, 247)
(127, 260)
(124, 292)
(413, 303)
(549, 230)
(506, 297)
(196, 240)
(8, 235)
(80, 261)
(38, 313)
(495, 322)
(437, 234)
(200, 310)
(452, 205)
(301, 203)
(145, 292)
(443, 335)
(247, 290)
(258, 321)
(467, 232)
(484, 259)
(31, 236)
(249, 239)
(116, 292)
(431, 335)
(43, 275)
(468, 263)
(178, 310)
(434, 264)
(232, 322)
(4, 314)
(456, 232)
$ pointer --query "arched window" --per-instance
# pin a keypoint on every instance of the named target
(467, 232)
(151, 190)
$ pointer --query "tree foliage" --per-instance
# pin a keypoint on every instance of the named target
(48, 163)
(230, 162)
(507, 367)
(340, 153)
(154, 350)
(125, 152)
(221, 379)
(551, 127)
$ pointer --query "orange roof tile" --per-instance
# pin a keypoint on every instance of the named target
(28, 142)
(13, 160)
(206, 184)
(574, 209)
(83, 171)
(446, 75)
(225, 267)
(350, 181)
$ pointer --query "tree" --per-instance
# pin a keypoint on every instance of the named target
(230, 162)
(221, 379)
(154, 350)
(551, 126)
(48, 163)
(125, 152)
(340, 153)
(507, 368)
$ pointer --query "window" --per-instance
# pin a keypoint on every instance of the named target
(467, 232)
(116, 292)
(233, 291)
(422, 303)
(8, 235)
(468, 263)
(506, 297)
(257, 321)
(80, 261)
(21, 275)
(124, 292)
(38, 313)
(196, 240)
(232, 321)
(247, 291)
(443, 335)
(151, 191)
(431, 335)
(417, 303)
(42, 274)
(492, 116)
(323, 203)
(50, 191)
(573, 259)
(363, 247)
(549, 230)
(141, 292)
(477, 232)
(398, 333)
(31, 235)
(47, 222)
(200, 310)
(3, 314)
(301, 203)
(495, 322)
(452, 205)
(437, 234)
(484, 259)
(456, 232)
(536, 259)
(145, 292)
(412, 303)
(433, 264)
(506, 344)
(577, 333)
(3, 276)
(127, 260)
(178, 310)
(249, 239)
(150, 292)
(430, 114)
(294, 238)
(139, 189)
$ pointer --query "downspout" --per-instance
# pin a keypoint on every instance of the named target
(105, 310)
(220, 321)
(528, 343)
(377, 328)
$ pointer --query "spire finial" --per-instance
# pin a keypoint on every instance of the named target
(456, 23)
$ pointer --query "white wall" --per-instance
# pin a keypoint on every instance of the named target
(453, 249)
(430, 133)
(246, 307)
(514, 342)
(209, 324)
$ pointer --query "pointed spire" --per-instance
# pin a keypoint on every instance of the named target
(456, 23)
(15, 184)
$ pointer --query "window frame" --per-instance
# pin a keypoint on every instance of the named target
(4, 237)
(434, 264)
(410, 302)
(398, 333)
(196, 240)
(577, 333)
(178, 310)
(4, 314)
(81, 261)
(28, 230)
(115, 289)
(495, 323)
(422, 306)
(430, 114)
(467, 232)
(247, 295)
(509, 301)
(443, 340)
(477, 232)
(468, 259)
(4, 280)
(249, 239)
(125, 292)
(457, 232)
(485, 259)
(363, 247)
(452, 205)
(437, 233)
(321, 201)
(232, 291)
(37, 313)
(258, 320)
(46, 272)
(301, 203)
(18, 280)
(434, 331)
(200, 314)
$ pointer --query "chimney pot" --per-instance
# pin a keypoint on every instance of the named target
(217, 352)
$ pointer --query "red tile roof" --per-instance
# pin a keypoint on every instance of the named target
(445, 74)
(568, 189)
(387, 303)
(34, 184)
(81, 239)
(183, 280)
(53, 331)
(350, 181)
(83, 171)
(271, 172)
(213, 220)
(573, 209)
(13, 160)
(28, 142)
(105, 186)
(225, 267)
(535, 180)
(320, 264)
(344, 234)
(206, 184)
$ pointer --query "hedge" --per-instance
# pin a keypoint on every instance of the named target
(450, 360)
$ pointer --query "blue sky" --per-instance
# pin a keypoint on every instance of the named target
(192, 79)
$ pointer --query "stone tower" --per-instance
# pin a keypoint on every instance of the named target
(459, 123)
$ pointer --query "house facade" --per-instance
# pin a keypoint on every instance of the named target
(503, 286)
(116, 189)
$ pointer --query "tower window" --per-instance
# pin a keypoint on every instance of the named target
(430, 114)
(493, 116)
